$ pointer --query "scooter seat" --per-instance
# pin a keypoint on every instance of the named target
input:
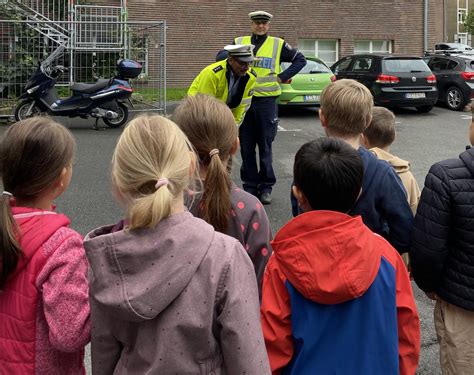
(90, 88)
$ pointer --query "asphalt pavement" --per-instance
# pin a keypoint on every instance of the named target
(422, 139)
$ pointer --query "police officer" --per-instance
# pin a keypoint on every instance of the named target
(260, 124)
(231, 80)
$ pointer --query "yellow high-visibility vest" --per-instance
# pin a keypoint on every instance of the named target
(213, 81)
(267, 65)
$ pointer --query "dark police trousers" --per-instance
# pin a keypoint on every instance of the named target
(259, 128)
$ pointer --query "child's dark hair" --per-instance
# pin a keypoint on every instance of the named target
(33, 154)
(381, 131)
(329, 172)
(210, 127)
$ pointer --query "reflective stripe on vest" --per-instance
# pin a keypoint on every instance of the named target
(267, 65)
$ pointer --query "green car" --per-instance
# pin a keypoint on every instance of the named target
(305, 87)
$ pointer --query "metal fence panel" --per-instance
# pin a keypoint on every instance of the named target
(93, 44)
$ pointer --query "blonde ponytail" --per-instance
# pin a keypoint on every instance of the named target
(151, 209)
(152, 149)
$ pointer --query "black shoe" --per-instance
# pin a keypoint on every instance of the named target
(266, 197)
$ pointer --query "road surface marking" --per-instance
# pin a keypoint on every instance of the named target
(282, 129)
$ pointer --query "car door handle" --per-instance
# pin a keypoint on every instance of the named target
(444, 76)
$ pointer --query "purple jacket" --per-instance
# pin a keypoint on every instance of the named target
(179, 298)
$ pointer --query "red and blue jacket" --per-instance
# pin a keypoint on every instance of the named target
(337, 299)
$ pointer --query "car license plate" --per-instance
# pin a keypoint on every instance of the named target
(312, 98)
(415, 95)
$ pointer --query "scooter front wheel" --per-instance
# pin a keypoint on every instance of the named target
(26, 109)
(122, 118)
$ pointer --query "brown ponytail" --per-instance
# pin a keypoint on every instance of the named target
(33, 153)
(210, 125)
(10, 249)
(216, 203)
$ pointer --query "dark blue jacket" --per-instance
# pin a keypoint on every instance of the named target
(443, 238)
(383, 203)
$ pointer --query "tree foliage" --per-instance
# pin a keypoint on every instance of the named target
(469, 22)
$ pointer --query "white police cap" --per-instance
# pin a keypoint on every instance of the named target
(243, 52)
(260, 15)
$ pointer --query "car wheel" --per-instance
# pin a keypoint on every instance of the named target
(425, 108)
(455, 98)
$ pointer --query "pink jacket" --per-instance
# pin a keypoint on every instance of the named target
(179, 298)
(44, 308)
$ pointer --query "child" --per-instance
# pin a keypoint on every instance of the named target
(378, 137)
(169, 294)
(346, 110)
(209, 126)
(337, 298)
(442, 256)
(44, 308)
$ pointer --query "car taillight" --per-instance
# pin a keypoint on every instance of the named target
(333, 78)
(431, 79)
(467, 75)
(384, 78)
(288, 81)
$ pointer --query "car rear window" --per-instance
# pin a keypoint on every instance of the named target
(312, 67)
(404, 66)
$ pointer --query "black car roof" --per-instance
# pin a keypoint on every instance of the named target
(386, 55)
(454, 57)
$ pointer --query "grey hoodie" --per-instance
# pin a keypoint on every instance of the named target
(177, 299)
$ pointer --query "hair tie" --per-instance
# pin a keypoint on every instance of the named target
(213, 152)
(161, 182)
(7, 193)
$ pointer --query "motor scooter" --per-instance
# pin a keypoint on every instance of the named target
(104, 99)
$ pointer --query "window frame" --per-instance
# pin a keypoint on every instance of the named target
(315, 52)
(371, 47)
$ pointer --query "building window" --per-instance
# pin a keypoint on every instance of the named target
(372, 46)
(462, 15)
(325, 49)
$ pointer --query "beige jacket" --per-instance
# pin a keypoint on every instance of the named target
(402, 167)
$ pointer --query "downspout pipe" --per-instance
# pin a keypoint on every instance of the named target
(425, 25)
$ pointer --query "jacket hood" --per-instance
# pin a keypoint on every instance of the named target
(36, 227)
(137, 273)
(467, 158)
(329, 257)
(398, 164)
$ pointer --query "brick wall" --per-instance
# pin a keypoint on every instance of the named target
(197, 29)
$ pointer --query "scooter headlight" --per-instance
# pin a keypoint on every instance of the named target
(32, 90)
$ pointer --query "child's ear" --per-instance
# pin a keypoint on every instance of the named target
(64, 177)
(62, 182)
(324, 123)
(364, 141)
(235, 147)
(301, 198)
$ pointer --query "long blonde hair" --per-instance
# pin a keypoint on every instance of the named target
(33, 154)
(210, 126)
(151, 149)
